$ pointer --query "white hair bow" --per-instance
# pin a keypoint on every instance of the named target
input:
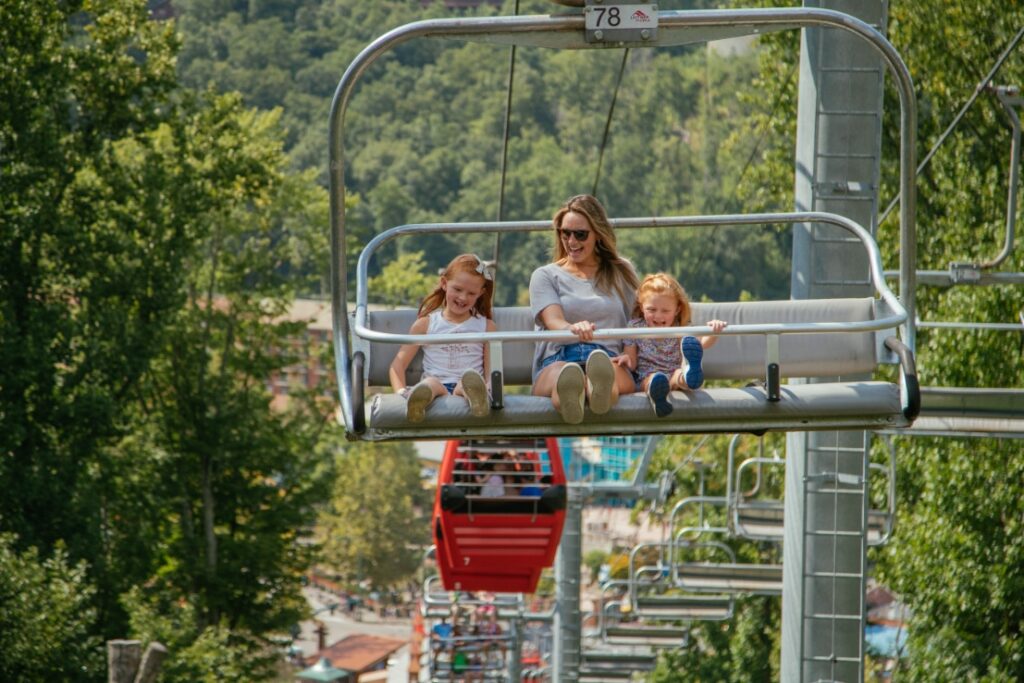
(486, 268)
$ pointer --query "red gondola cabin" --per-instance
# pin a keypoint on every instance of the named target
(498, 513)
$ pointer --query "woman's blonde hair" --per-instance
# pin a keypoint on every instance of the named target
(463, 263)
(663, 284)
(614, 273)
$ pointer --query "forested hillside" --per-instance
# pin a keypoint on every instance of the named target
(425, 132)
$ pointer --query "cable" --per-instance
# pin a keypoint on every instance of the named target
(504, 156)
(956, 120)
(608, 121)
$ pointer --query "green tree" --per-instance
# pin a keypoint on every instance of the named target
(956, 556)
(148, 234)
(376, 527)
(235, 477)
(47, 621)
(402, 282)
(85, 283)
(198, 652)
(954, 559)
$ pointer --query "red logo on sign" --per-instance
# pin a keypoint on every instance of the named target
(640, 16)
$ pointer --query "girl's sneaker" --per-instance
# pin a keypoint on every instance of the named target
(475, 389)
(600, 377)
(693, 352)
(657, 390)
(416, 405)
(569, 387)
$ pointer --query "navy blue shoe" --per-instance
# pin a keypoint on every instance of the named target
(657, 390)
(693, 352)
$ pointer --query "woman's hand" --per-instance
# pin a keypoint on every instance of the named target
(584, 330)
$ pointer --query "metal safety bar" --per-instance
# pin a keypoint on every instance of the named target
(897, 314)
(567, 31)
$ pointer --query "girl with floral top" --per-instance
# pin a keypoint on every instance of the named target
(661, 365)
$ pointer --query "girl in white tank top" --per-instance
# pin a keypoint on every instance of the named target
(460, 304)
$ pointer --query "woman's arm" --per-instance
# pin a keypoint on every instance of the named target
(553, 318)
(396, 373)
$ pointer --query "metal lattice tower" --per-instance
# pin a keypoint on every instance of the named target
(826, 504)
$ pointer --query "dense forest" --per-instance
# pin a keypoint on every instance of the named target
(425, 133)
(164, 202)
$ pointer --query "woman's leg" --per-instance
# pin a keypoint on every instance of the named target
(545, 384)
(564, 384)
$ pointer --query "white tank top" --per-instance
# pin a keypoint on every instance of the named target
(447, 362)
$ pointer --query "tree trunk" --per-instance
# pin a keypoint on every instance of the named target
(122, 660)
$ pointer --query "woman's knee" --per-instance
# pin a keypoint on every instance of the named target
(545, 382)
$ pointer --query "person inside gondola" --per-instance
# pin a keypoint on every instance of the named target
(461, 303)
(587, 287)
(492, 483)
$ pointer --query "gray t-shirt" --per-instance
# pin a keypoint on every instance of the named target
(552, 284)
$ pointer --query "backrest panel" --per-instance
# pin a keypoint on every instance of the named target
(800, 355)
(733, 357)
(517, 356)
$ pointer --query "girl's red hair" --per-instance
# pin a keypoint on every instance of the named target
(463, 263)
(663, 283)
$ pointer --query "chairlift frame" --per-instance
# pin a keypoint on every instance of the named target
(878, 531)
(566, 31)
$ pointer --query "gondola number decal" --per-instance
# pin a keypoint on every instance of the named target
(620, 22)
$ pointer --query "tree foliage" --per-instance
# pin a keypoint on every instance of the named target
(151, 239)
(375, 527)
(425, 134)
(47, 621)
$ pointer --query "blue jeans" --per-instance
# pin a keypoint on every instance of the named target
(575, 353)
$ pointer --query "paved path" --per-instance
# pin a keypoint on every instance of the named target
(341, 625)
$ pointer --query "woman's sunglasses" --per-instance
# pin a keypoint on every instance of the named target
(580, 235)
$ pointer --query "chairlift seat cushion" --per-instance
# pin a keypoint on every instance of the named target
(830, 405)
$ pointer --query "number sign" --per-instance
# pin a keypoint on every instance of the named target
(620, 22)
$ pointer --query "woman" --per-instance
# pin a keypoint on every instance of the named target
(587, 287)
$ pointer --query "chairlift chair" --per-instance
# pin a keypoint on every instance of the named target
(662, 600)
(619, 627)
(772, 340)
(762, 519)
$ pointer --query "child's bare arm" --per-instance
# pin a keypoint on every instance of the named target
(396, 373)
(627, 358)
(710, 340)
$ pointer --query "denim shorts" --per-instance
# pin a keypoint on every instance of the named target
(450, 386)
(575, 353)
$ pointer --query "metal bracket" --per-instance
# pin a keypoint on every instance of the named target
(771, 359)
(497, 374)
(961, 273)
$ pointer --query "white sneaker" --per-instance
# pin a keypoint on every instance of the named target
(416, 405)
(475, 389)
(569, 387)
(600, 377)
